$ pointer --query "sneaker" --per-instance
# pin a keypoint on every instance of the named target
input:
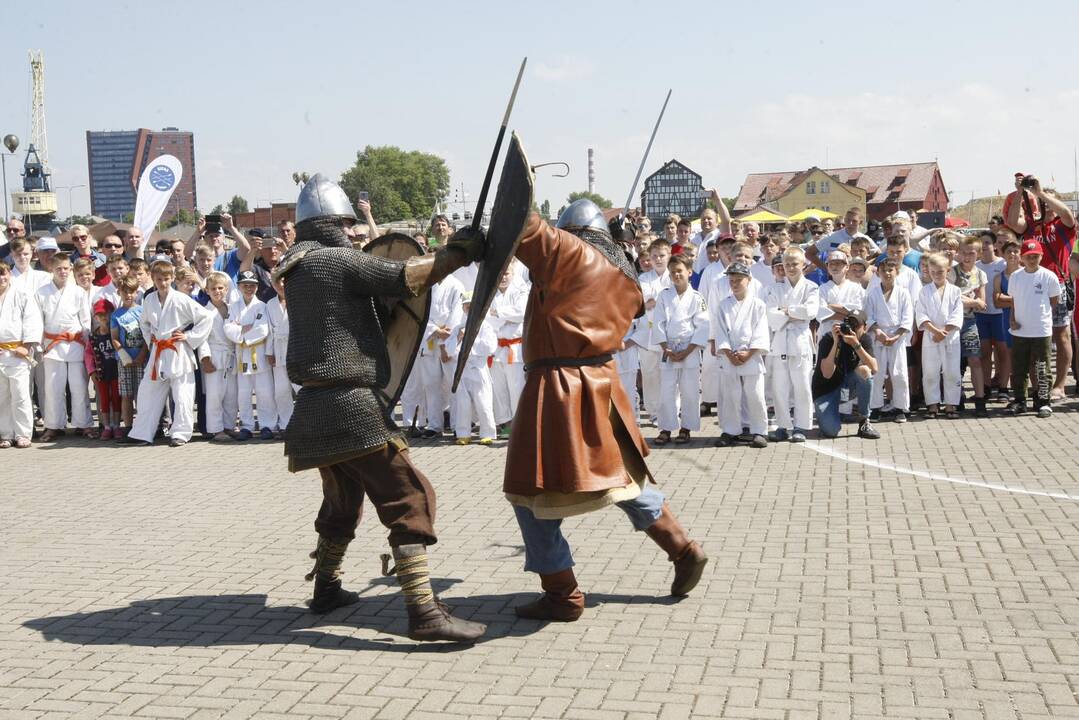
(120, 433)
(486, 441)
(874, 415)
(430, 434)
(725, 440)
(798, 436)
(900, 416)
(1045, 411)
(759, 441)
(462, 441)
(780, 435)
(106, 434)
(266, 434)
(867, 431)
(1016, 407)
(177, 442)
(243, 435)
(221, 437)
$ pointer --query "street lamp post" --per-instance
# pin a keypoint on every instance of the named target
(70, 204)
(11, 142)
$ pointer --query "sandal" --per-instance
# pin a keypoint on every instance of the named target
(5, 444)
(952, 414)
(931, 413)
(51, 435)
(22, 443)
(662, 439)
(90, 434)
(683, 437)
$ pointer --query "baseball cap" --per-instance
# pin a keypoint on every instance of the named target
(256, 233)
(103, 307)
(47, 243)
(838, 255)
(1031, 247)
(777, 259)
(737, 268)
(247, 276)
(859, 261)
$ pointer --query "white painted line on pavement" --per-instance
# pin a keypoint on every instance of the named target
(817, 447)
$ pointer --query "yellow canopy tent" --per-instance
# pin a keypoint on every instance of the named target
(822, 214)
(762, 216)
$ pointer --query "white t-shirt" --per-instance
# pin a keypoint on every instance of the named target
(829, 243)
(1030, 301)
(991, 270)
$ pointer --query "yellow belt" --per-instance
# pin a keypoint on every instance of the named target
(254, 355)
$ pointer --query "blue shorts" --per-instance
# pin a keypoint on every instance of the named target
(970, 341)
(990, 326)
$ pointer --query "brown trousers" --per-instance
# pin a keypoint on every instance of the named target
(402, 496)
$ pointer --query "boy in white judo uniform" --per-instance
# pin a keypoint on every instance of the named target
(173, 325)
(507, 316)
(791, 305)
(20, 330)
(217, 357)
(628, 365)
(65, 311)
(739, 335)
(682, 321)
(447, 298)
(889, 312)
(475, 396)
(282, 387)
(938, 312)
(839, 297)
(649, 353)
(248, 327)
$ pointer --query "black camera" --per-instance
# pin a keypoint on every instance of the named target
(1028, 181)
(846, 327)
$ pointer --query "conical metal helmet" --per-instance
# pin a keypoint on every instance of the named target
(322, 197)
(580, 215)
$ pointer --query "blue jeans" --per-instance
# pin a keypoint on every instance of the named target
(828, 405)
(546, 549)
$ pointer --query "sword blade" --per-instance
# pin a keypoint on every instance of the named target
(498, 146)
(648, 149)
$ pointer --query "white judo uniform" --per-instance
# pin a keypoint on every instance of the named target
(253, 371)
(219, 387)
(66, 316)
(475, 396)
(283, 390)
(681, 320)
(20, 324)
(171, 365)
(849, 295)
(647, 339)
(30, 282)
(942, 307)
(790, 309)
(628, 364)
(741, 325)
(709, 369)
(890, 315)
(447, 298)
(507, 316)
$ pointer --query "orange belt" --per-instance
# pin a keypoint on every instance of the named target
(509, 343)
(57, 338)
(159, 345)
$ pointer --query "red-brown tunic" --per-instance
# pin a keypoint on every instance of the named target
(566, 438)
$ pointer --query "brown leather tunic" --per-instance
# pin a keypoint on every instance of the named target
(573, 424)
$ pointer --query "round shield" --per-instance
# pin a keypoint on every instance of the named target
(404, 319)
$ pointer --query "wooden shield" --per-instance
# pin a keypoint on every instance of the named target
(509, 214)
(403, 319)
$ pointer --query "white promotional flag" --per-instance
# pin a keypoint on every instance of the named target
(156, 186)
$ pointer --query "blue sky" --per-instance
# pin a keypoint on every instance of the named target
(273, 87)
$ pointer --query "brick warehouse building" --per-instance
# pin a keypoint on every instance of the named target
(116, 159)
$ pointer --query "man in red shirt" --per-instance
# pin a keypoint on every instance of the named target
(1044, 217)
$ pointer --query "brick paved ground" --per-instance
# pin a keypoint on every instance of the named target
(173, 588)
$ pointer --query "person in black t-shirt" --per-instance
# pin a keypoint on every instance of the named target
(844, 360)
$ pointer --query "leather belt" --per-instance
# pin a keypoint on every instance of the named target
(569, 362)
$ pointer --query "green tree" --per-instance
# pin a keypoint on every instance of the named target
(598, 199)
(218, 209)
(184, 217)
(400, 184)
(237, 205)
(545, 210)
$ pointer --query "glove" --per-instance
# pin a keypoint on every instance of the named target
(473, 243)
(618, 229)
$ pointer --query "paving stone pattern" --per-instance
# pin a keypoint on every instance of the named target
(168, 583)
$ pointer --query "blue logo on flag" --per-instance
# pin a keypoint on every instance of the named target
(162, 178)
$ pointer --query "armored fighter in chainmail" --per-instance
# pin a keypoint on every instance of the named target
(575, 445)
(337, 352)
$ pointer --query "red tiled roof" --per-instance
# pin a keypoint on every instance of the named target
(880, 181)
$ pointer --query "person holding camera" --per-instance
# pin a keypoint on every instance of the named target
(1034, 213)
(844, 360)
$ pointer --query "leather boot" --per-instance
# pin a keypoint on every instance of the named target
(561, 601)
(688, 557)
(428, 619)
(329, 595)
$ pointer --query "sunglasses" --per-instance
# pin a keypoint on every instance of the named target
(79, 237)
(111, 245)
